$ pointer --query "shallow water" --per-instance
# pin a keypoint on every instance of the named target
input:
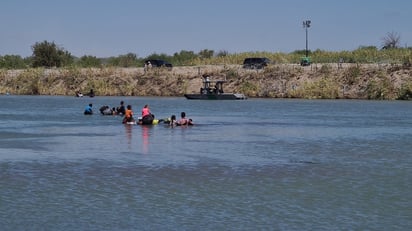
(257, 164)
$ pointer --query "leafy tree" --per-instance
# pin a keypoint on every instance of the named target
(112, 61)
(391, 40)
(89, 61)
(206, 54)
(46, 54)
(161, 56)
(127, 60)
(66, 58)
(184, 57)
(28, 61)
(222, 53)
(12, 62)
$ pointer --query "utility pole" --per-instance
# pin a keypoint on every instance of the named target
(306, 25)
(305, 61)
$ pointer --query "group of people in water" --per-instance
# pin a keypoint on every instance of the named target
(181, 122)
(106, 110)
(90, 94)
(146, 118)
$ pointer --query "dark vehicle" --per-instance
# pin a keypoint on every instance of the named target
(255, 63)
(158, 63)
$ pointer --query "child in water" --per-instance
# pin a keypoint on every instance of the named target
(172, 121)
(128, 116)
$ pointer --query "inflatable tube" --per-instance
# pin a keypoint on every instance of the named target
(154, 122)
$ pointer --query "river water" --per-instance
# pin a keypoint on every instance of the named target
(257, 164)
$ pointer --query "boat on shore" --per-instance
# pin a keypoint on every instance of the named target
(207, 92)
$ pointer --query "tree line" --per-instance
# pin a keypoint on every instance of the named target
(48, 54)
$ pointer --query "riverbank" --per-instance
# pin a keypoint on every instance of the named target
(320, 81)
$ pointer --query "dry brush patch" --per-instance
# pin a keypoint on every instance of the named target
(279, 80)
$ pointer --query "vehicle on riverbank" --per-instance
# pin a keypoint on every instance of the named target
(158, 63)
(255, 63)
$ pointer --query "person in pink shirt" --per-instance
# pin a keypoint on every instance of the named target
(145, 111)
(147, 116)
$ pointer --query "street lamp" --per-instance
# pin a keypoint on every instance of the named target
(306, 25)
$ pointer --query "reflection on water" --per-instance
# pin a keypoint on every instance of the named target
(145, 138)
(129, 133)
(138, 138)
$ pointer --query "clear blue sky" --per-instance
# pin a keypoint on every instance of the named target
(105, 28)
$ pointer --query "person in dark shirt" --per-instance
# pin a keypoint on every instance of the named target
(121, 110)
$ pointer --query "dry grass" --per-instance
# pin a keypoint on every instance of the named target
(360, 81)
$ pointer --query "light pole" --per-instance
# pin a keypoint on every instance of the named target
(306, 25)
